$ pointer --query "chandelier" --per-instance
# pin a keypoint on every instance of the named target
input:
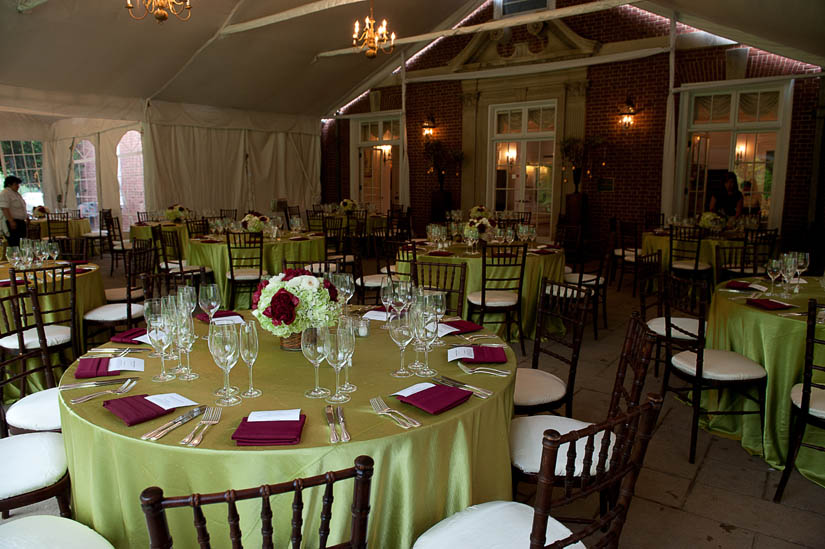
(161, 9)
(372, 39)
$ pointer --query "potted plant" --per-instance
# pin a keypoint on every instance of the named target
(442, 160)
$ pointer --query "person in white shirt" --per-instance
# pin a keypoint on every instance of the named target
(14, 210)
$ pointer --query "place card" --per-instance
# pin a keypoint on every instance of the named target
(275, 415)
(417, 388)
(167, 401)
(446, 329)
(376, 315)
(460, 353)
(125, 364)
(759, 287)
(228, 320)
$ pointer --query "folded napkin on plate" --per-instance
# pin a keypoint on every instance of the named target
(542, 251)
(486, 355)
(203, 317)
(435, 400)
(769, 304)
(208, 241)
(298, 238)
(129, 336)
(268, 433)
(550, 246)
(440, 253)
(135, 409)
(93, 367)
(738, 285)
(464, 326)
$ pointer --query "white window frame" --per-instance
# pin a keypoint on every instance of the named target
(498, 9)
(522, 136)
(782, 127)
(356, 144)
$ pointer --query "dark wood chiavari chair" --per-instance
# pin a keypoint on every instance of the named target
(143, 217)
(654, 220)
(588, 272)
(448, 278)
(246, 263)
(33, 231)
(315, 221)
(630, 247)
(397, 257)
(58, 225)
(651, 301)
(333, 227)
(685, 253)
(760, 246)
(116, 246)
(197, 227)
(73, 249)
(293, 211)
(318, 268)
(165, 283)
(74, 214)
(154, 506)
(231, 213)
(730, 262)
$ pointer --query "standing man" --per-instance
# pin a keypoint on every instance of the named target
(14, 210)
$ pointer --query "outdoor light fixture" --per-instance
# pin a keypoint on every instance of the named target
(372, 39)
(386, 151)
(740, 153)
(428, 127)
(161, 9)
(510, 155)
(627, 113)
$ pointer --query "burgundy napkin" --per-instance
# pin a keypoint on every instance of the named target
(135, 409)
(542, 251)
(93, 367)
(379, 308)
(208, 241)
(440, 253)
(551, 246)
(141, 224)
(437, 399)
(768, 304)
(464, 326)
(203, 317)
(129, 336)
(298, 238)
(7, 283)
(268, 433)
(737, 285)
(486, 355)
(316, 234)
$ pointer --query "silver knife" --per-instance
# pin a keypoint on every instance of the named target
(480, 393)
(177, 422)
(344, 434)
(100, 383)
(333, 434)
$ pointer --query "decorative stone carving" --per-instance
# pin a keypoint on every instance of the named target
(469, 100)
(576, 89)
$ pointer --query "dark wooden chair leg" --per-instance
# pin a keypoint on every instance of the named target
(794, 443)
(63, 504)
(696, 400)
(595, 317)
(520, 326)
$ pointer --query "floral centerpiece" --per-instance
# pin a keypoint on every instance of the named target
(176, 213)
(712, 221)
(288, 303)
(39, 212)
(254, 222)
(483, 225)
(479, 212)
(347, 205)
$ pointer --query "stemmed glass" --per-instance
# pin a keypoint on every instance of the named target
(346, 288)
(788, 270)
(401, 333)
(386, 292)
(426, 329)
(187, 300)
(209, 299)
(160, 336)
(186, 339)
(773, 269)
(348, 323)
(312, 345)
(338, 346)
(13, 255)
(223, 344)
(803, 260)
(220, 391)
(54, 250)
(438, 301)
(249, 353)
(169, 308)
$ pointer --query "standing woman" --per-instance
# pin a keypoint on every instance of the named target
(14, 210)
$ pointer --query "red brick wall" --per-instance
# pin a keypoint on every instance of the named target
(131, 178)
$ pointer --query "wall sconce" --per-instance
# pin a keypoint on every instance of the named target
(386, 151)
(740, 153)
(628, 112)
(428, 128)
(510, 156)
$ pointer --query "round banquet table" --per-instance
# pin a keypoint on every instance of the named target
(215, 255)
(457, 458)
(537, 266)
(90, 294)
(778, 343)
(144, 230)
(77, 227)
(651, 243)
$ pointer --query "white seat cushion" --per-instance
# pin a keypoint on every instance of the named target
(322, 267)
(245, 274)
(49, 531)
(96, 234)
(491, 525)
(195, 268)
(817, 400)
(174, 264)
(39, 458)
(371, 281)
(526, 434)
(55, 335)
(113, 312)
(719, 365)
(567, 269)
(589, 279)
(534, 386)
(126, 245)
(349, 258)
(691, 325)
(36, 412)
(688, 265)
(495, 298)
(393, 269)
(629, 255)
(119, 294)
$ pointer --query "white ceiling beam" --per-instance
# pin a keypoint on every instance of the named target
(294, 13)
(508, 22)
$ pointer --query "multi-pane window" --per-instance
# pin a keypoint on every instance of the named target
(378, 153)
(507, 8)
(24, 159)
(85, 180)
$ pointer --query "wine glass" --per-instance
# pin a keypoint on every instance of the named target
(54, 250)
(151, 310)
(773, 269)
(249, 353)
(788, 270)
(386, 297)
(209, 299)
(225, 349)
(312, 345)
(348, 323)
(438, 301)
(803, 260)
(160, 337)
(346, 288)
(169, 309)
(426, 329)
(186, 339)
(13, 255)
(401, 333)
(338, 345)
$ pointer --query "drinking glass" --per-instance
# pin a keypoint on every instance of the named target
(160, 336)
(386, 297)
(773, 269)
(54, 250)
(249, 353)
(169, 309)
(186, 339)
(223, 344)
(338, 346)
(401, 333)
(438, 301)
(209, 299)
(312, 345)
(348, 323)
(346, 288)
(788, 270)
(220, 391)
(803, 260)
(13, 255)
(426, 328)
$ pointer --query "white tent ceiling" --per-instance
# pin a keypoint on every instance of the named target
(93, 47)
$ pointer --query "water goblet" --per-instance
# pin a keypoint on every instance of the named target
(209, 299)
(13, 255)
(312, 345)
(773, 268)
(788, 270)
(186, 340)
(803, 260)
(426, 328)
(386, 297)
(348, 323)
(223, 344)
(160, 337)
(54, 250)
(337, 349)
(249, 353)
(438, 301)
(346, 288)
(401, 333)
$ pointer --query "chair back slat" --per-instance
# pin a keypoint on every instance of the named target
(56, 291)
(814, 347)
(73, 249)
(686, 298)
(197, 227)
(245, 251)
(448, 278)
(649, 271)
(57, 224)
(502, 267)
(231, 213)
(315, 220)
(630, 237)
(200, 528)
(143, 217)
(297, 514)
(685, 244)
(234, 521)
(730, 262)
(326, 514)
(654, 220)
(267, 531)
(637, 349)
(401, 254)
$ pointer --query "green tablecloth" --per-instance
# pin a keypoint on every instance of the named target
(652, 243)
(77, 227)
(778, 343)
(458, 458)
(216, 257)
(537, 267)
(145, 232)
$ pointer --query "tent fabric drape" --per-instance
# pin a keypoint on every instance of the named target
(283, 166)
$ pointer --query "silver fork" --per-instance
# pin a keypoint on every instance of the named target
(476, 337)
(207, 415)
(482, 370)
(386, 409)
(381, 409)
(213, 420)
(125, 388)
